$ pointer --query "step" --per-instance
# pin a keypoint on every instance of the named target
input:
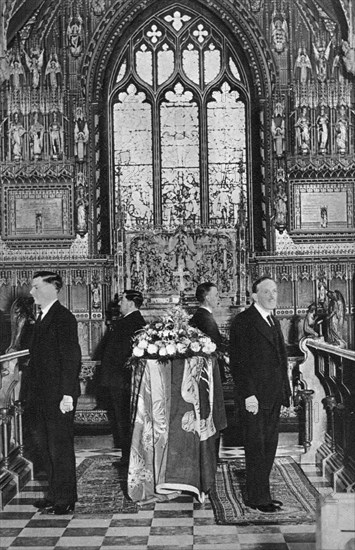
(295, 451)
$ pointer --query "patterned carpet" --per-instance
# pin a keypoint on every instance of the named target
(288, 482)
(102, 487)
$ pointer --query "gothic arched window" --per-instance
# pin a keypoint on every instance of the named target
(179, 111)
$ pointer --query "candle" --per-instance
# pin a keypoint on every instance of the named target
(137, 260)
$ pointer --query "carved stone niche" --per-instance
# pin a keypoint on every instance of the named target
(38, 214)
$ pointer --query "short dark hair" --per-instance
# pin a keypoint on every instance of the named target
(256, 283)
(51, 278)
(202, 290)
(135, 296)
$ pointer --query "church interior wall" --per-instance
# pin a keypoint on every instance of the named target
(92, 189)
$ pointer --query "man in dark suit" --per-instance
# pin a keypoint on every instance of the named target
(207, 296)
(258, 363)
(55, 361)
(114, 373)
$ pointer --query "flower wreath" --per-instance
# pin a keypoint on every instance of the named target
(170, 337)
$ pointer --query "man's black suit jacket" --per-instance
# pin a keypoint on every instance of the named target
(258, 359)
(118, 348)
(55, 357)
(204, 320)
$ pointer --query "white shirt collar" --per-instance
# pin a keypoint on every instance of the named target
(206, 307)
(263, 312)
(47, 308)
(129, 313)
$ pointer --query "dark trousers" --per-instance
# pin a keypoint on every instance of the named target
(120, 400)
(260, 442)
(53, 433)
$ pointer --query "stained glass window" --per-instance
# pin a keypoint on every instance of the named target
(179, 124)
(133, 157)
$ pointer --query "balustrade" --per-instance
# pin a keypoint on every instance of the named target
(328, 390)
(15, 469)
(327, 380)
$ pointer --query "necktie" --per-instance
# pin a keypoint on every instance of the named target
(37, 329)
(275, 334)
(270, 320)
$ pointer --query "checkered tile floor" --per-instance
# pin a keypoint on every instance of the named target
(180, 524)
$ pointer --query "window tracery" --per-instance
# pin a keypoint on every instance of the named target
(179, 113)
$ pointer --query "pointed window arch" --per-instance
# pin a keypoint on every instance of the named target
(179, 113)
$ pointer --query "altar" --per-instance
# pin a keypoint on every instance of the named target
(178, 412)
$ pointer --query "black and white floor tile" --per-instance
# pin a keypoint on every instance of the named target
(181, 524)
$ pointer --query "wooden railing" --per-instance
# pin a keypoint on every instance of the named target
(15, 469)
(327, 391)
(327, 378)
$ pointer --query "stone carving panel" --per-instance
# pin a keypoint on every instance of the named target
(35, 213)
(176, 261)
(323, 208)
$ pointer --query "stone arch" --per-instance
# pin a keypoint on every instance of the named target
(99, 66)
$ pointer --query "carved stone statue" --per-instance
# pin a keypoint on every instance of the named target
(34, 62)
(322, 55)
(341, 131)
(322, 130)
(338, 66)
(21, 314)
(56, 137)
(335, 318)
(81, 210)
(303, 66)
(75, 36)
(279, 32)
(311, 325)
(16, 132)
(303, 137)
(278, 129)
(53, 71)
(280, 208)
(17, 72)
(349, 57)
(96, 295)
(36, 137)
(81, 134)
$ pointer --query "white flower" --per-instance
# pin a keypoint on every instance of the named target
(152, 349)
(143, 344)
(171, 349)
(195, 347)
(181, 347)
(171, 336)
(209, 347)
(138, 352)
